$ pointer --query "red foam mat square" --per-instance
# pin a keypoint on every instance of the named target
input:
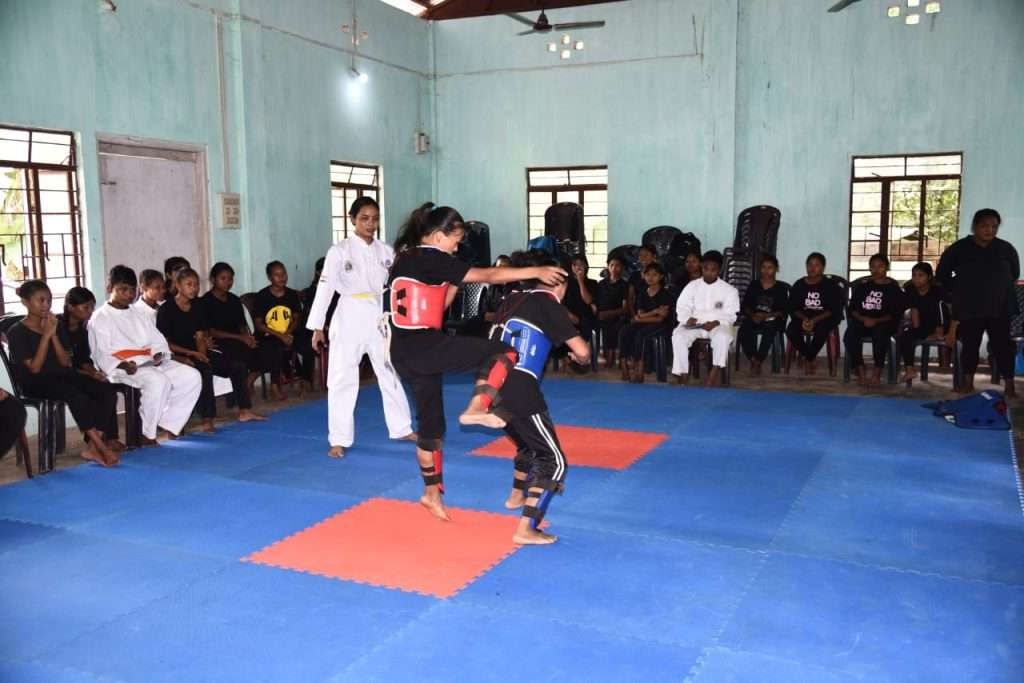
(397, 544)
(608, 448)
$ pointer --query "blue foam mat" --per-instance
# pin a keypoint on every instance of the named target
(516, 645)
(772, 537)
(882, 624)
(245, 623)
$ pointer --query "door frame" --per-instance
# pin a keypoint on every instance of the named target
(132, 146)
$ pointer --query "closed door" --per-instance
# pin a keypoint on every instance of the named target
(154, 207)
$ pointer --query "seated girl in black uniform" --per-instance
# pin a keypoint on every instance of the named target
(42, 366)
(423, 282)
(581, 297)
(876, 308)
(181, 321)
(12, 421)
(277, 313)
(653, 306)
(764, 312)
(224, 316)
(79, 304)
(612, 303)
(534, 322)
(923, 298)
(815, 309)
(645, 256)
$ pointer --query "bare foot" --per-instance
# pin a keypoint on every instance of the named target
(116, 446)
(90, 453)
(533, 537)
(712, 378)
(250, 416)
(859, 372)
(483, 419)
(207, 427)
(433, 503)
(755, 367)
(146, 442)
(515, 500)
(875, 379)
(682, 380)
(336, 452)
(276, 394)
(909, 375)
(812, 367)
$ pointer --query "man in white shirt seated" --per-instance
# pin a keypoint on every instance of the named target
(127, 347)
(706, 309)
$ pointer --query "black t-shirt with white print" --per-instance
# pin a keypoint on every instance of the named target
(873, 300)
(812, 300)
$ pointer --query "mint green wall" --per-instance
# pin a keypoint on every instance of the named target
(651, 96)
(150, 70)
(814, 89)
(783, 95)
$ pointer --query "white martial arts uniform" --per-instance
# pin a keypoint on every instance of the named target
(718, 301)
(358, 272)
(145, 308)
(169, 390)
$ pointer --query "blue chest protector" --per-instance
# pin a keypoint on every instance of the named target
(529, 341)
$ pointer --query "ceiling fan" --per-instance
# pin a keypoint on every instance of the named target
(841, 5)
(542, 25)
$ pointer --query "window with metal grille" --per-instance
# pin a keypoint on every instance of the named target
(40, 219)
(907, 207)
(583, 185)
(349, 182)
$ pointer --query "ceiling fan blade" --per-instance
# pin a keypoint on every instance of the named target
(520, 18)
(841, 5)
(536, 30)
(578, 24)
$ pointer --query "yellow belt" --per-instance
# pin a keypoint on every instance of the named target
(363, 295)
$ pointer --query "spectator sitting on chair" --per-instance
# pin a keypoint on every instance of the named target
(764, 310)
(815, 309)
(923, 299)
(277, 312)
(493, 295)
(224, 316)
(580, 297)
(706, 309)
(79, 304)
(154, 289)
(653, 304)
(694, 267)
(42, 366)
(12, 421)
(637, 280)
(876, 308)
(980, 272)
(172, 266)
(612, 303)
(182, 323)
(129, 349)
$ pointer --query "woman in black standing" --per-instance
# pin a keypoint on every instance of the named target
(980, 272)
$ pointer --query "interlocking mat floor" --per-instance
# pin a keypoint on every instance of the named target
(705, 535)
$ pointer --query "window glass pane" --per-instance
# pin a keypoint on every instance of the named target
(364, 176)
(590, 176)
(934, 165)
(539, 203)
(338, 203)
(52, 201)
(548, 178)
(45, 153)
(536, 226)
(54, 180)
(879, 167)
(568, 196)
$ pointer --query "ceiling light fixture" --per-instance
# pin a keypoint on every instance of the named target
(578, 45)
(566, 54)
(913, 3)
(933, 8)
(552, 47)
(566, 39)
(913, 19)
(894, 11)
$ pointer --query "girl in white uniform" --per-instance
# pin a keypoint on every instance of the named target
(357, 269)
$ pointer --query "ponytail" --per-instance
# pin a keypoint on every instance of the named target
(425, 221)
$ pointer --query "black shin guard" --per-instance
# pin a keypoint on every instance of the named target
(433, 475)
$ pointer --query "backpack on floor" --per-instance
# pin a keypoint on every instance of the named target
(986, 410)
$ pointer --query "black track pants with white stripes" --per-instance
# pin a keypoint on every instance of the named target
(537, 449)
